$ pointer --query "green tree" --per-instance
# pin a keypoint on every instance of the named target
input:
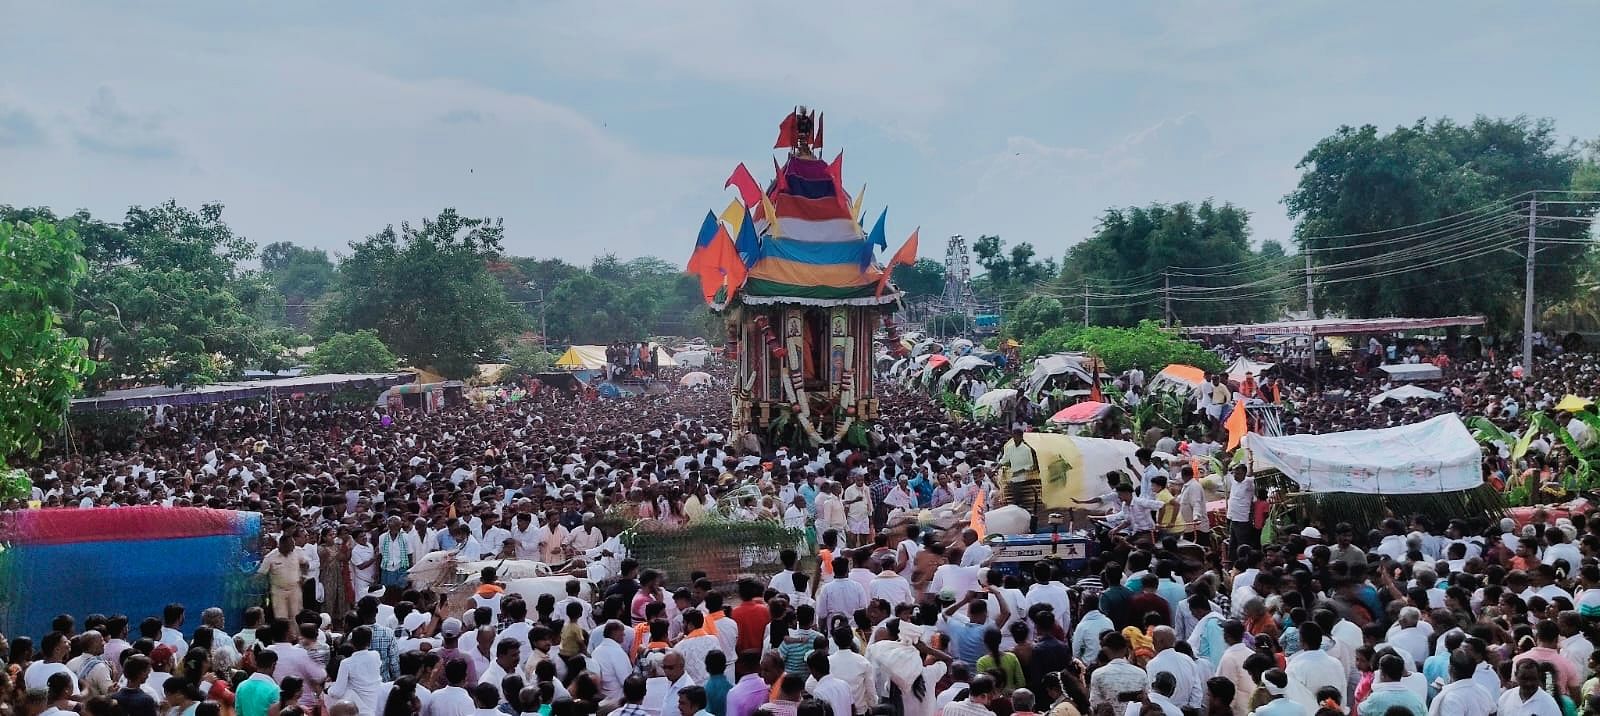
(923, 279)
(1201, 251)
(1009, 275)
(1147, 346)
(41, 366)
(359, 352)
(1033, 316)
(1460, 190)
(427, 292)
(164, 299)
(527, 360)
(301, 275)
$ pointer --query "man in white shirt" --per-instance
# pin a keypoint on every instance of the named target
(1241, 495)
(828, 688)
(1189, 691)
(1312, 668)
(611, 662)
(360, 675)
(672, 666)
(1528, 698)
(1410, 635)
(1462, 696)
(840, 596)
(854, 670)
(453, 699)
(976, 553)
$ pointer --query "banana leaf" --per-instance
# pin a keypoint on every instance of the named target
(1486, 431)
(1580, 479)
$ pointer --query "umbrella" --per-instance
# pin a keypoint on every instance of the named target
(937, 360)
(695, 378)
(994, 399)
(1085, 412)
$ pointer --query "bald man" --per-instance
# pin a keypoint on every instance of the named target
(1190, 690)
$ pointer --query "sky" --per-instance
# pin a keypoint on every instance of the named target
(610, 127)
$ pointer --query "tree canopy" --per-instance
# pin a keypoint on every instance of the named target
(1146, 346)
(1009, 275)
(1413, 221)
(923, 279)
(359, 352)
(1201, 251)
(164, 298)
(427, 292)
(41, 365)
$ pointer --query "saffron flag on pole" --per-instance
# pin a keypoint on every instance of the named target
(1095, 395)
(741, 179)
(906, 255)
(718, 264)
(1237, 424)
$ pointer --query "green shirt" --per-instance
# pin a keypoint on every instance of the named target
(1009, 666)
(257, 694)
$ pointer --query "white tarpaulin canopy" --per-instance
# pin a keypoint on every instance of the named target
(695, 378)
(1412, 371)
(693, 358)
(1242, 366)
(995, 400)
(1437, 455)
(964, 363)
(1405, 392)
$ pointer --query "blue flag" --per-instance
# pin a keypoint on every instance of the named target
(876, 238)
(708, 231)
(748, 244)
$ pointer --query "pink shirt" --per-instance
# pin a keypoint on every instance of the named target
(1563, 665)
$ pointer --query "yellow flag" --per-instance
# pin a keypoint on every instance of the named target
(773, 229)
(733, 216)
(855, 206)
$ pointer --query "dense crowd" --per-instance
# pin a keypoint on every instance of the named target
(874, 612)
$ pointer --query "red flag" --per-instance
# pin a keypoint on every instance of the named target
(817, 141)
(785, 133)
(836, 170)
(778, 183)
(749, 190)
(718, 264)
(905, 256)
(1095, 396)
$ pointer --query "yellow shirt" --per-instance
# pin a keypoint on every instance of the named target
(1168, 519)
(282, 570)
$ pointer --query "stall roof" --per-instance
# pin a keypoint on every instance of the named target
(1334, 326)
(234, 390)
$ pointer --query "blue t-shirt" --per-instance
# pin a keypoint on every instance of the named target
(966, 640)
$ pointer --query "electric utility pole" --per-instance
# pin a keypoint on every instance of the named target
(1527, 292)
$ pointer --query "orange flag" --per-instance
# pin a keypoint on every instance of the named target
(718, 264)
(907, 255)
(1237, 425)
(976, 517)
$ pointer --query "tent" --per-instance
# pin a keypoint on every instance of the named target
(1403, 393)
(1178, 378)
(1087, 411)
(1433, 456)
(1401, 372)
(995, 401)
(1241, 366)
(961, 365)
(583, 358)
(1077, 365)
(594, 358)
(695, 378)
(1074, 467)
